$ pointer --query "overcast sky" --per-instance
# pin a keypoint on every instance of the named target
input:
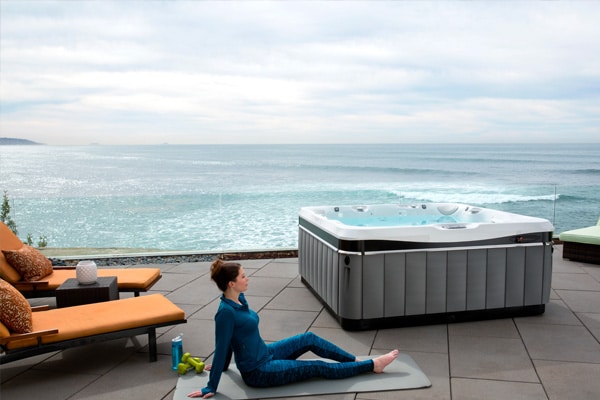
(137, 72)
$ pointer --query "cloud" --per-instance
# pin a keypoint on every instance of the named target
(279, 72)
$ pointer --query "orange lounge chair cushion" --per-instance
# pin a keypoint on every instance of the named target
(98, 318)
(127, 278)
(8, 241)
(4, 332)
(29, 263)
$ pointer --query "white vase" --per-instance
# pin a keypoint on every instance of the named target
(86, 272)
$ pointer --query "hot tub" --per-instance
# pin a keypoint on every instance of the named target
(377, 266)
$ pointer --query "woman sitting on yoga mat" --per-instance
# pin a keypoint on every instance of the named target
(264, 365)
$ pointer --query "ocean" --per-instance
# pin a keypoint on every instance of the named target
(247, 197)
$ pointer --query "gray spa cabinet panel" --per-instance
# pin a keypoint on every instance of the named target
(318, 265)
(416, 283)
(534, 269)
(333, 289)
(351, 296)
(373, 286)
(394, 292)
(436, 282)
(457, 281)
(327, 276)
(515, 276)
(547, 274)
(496, 278)
(476, 277)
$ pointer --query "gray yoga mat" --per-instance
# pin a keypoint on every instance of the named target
(403, 373)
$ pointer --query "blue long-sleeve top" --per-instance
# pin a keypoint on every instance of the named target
(236, 329)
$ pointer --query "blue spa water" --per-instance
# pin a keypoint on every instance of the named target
(397, 220)
(405, 220)
(241, 197)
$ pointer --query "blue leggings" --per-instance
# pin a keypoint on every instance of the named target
(283, 368)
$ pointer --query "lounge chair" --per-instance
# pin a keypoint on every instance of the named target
(134, 280)
(64, 328)
(582, 244)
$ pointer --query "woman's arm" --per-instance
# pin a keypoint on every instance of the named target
(224, 327)
(228, 359)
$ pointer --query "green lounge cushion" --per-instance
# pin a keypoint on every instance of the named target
(588, 235)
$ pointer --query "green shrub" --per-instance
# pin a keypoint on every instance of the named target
(5, 214)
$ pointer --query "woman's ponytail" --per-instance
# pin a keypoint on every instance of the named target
(223, 272)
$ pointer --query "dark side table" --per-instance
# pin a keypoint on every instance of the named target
(71, 293)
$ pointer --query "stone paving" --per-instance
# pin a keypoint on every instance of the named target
(552, 356)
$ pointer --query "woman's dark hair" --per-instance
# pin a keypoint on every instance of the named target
(223, 272)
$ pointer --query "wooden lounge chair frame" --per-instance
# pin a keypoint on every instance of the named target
(41, 347)
(134, 280)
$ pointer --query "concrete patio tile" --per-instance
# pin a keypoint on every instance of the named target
(556, 312)
(154, 381)
(490, 358)
(569, 380)
(254, 264)
(15, 368)
(279, 324)
(559, 342)
(431, 338)
(435, 367)
(266, 286)
(277, 269)
(357, 343)
(198, 291)
(190, 309)
(574, 282)
(581, 301)
(196, 268)
(163, 267)
(326, 320)
(295, 299)
(477, 389)
(494, 328)
(104, 355)
(172, 281)
(592, 322)
(48, 301)
(560, 265)
(207, 311)
(593, 271)
(288, 260)
(49, 385)
(297, 282)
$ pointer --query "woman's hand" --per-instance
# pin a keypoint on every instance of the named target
(198, 393)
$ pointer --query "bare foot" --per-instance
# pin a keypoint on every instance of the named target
(383, 361)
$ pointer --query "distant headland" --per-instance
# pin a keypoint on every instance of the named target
(15, 141)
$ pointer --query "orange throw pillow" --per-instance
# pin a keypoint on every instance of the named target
(15, 311)
(30, 263)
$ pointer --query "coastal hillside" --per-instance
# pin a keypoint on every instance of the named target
(15, 141)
